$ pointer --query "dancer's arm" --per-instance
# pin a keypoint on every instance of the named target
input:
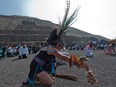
(59, 55)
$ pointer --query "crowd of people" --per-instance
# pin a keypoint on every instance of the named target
(91, 45)
(22, 50)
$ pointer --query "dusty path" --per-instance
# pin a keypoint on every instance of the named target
(13, 72)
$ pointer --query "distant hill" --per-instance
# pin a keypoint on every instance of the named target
(80, 33)
(19, 29)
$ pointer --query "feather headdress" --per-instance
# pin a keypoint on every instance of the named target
(66, 22)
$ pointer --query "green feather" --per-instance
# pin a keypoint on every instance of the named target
(68, 20)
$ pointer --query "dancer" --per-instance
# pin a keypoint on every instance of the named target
(42, 65)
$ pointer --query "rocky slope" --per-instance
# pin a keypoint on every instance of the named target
(19, 29)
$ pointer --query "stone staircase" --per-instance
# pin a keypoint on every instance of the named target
(24, 32)
(22, 29)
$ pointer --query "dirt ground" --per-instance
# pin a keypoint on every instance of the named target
(13, 71)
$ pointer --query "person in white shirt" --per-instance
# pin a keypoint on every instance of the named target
(10, 52)
(23, 51)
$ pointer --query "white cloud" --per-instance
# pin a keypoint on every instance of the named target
(95, 16)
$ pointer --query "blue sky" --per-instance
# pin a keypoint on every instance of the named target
(95, 16)
(10, 7)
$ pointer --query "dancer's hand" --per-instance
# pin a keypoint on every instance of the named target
(79, 62)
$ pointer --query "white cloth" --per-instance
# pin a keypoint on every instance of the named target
(10, 50)
(23, 50)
